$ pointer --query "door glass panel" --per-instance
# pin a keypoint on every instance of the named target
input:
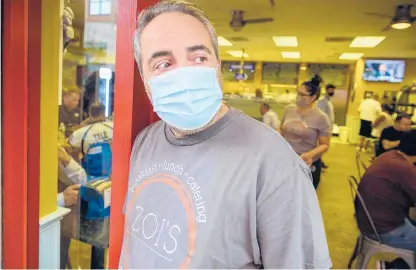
(86, 131)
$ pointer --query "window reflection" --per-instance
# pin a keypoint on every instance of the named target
(100, 7)
(86, 131)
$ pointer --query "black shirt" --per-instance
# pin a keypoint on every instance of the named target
(71, 119)
(390, 134)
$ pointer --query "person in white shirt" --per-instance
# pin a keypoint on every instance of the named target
(384, 120)
(96, 130)
(369, 110)
(270, 117)
(72, 175)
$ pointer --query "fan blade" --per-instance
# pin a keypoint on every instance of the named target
(378, 15)
(259, 20)
(387, 28)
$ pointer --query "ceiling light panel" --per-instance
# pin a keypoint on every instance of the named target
(223, 42)
(351, 56)
(237, 54)
(286, 41)
(366, 42)
(291, 55)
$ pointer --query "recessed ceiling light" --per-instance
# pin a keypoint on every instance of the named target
(351, 56)
(237, 54)
(286, 41)
(366, 42)
(224, 42)
(291, 55)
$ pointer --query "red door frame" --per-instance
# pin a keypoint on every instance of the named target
(133, 113)
(21, 123)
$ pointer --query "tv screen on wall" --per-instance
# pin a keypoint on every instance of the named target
(391, 71)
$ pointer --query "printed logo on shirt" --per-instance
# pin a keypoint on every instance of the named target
(164, 207)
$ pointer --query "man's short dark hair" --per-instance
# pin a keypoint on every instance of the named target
(408, 143)
(330, 86)
(402, 116)
(265, 105)
(97, 109)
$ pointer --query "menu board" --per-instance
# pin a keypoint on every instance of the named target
(231, 71)
(280, 73)
(331, 74)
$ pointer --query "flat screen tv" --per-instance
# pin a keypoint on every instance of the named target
(391, 71)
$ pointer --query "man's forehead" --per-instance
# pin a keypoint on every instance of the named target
(173, 30)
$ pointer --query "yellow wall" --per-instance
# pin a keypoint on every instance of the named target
(50, 84)
(361, 86)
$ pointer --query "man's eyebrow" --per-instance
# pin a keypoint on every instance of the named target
(159, 54)
(198, 48)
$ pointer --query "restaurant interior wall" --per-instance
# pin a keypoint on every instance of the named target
(360, 87)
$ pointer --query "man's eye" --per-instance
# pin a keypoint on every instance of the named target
(163, 65)
(200, 59)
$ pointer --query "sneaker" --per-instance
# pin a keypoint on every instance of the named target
(381, 264)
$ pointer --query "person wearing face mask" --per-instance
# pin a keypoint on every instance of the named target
(307, 128)
(325, 105)
(210, 187)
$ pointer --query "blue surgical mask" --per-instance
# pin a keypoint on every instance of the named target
(186, 98)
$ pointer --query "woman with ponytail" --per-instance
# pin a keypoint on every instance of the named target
(306, 128)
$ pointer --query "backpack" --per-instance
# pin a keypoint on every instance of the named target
(97, 159)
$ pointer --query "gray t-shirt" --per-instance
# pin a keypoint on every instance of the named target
(303, 131)
(232, 196)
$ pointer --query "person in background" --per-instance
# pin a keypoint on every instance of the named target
(71, 176)
(220, 183)
(384, 120)
(96, 128)
(388, 189)
(390, 137)
(306, 128)
(69, 111)
(270, 117)
(369, 109)
(325, 105)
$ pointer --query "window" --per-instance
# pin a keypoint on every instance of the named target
(100, 7)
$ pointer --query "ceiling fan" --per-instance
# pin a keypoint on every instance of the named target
(238, 22)
(402, 18)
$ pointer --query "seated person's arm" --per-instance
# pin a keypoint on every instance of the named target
(389, 144)
(378, 121)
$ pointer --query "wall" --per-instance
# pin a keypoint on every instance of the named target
(360, 86)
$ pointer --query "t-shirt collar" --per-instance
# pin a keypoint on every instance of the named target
(200, 136)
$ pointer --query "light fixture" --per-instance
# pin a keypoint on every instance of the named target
(292, 55)
(224, 42)
(237, 54)
(401, 24)
(366, 42)
(286, 41)
(303, 67)
(351, 56)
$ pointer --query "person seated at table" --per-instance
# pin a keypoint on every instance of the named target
(270, 117)
(390, 136)
(388, 189)
(69, 111)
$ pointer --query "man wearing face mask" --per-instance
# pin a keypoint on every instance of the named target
(210, 187)
(325, 105)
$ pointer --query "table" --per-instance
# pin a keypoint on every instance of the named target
(95, 233)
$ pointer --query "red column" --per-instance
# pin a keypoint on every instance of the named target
(33, 135)
(132, 113)
(14, 106)
(21, 123)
